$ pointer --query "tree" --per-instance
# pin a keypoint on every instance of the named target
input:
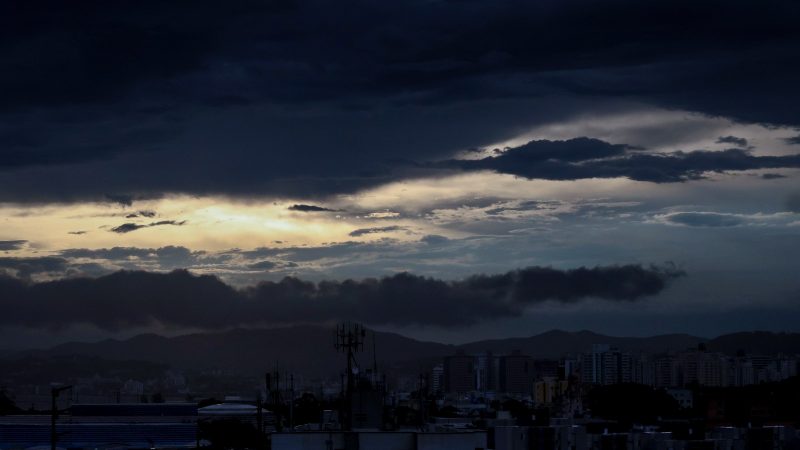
(631, 402)
(7, 406)
(230, 434)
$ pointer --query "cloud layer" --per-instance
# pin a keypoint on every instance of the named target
(179, 299)
(584, 157)
(312, 98)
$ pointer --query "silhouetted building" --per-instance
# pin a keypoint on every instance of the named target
(486, 372)
(437, 379)
(516, 373)
(459, 373)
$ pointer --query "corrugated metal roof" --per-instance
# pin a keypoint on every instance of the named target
(134, 409)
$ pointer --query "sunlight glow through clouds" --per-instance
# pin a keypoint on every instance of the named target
(210, 224)
(658, 130)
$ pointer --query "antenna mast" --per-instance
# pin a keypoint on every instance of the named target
(349, 340)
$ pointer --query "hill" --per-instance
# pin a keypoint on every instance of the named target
(554, 344)
(756, 343)
(309, 349)
(305, 349)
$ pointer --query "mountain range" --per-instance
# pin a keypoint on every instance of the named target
(310, 349)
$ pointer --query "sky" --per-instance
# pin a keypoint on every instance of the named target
(452, 170)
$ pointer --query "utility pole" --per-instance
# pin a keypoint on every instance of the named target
(374, 361)
(54, 413)
(260, 417)
(291, 404)
(349, 340)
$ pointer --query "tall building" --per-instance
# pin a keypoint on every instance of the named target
(547, 368)
(592, 364)
(665, 372)
(617, 367)
(516, 373)
(700, 367)
(644, 370)
(485, 372)
(459, 373)
(605, 365)
(437, 379)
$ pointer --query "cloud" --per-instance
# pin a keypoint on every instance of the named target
(115, 253)
(263, 265)
(127, 228)
(434, 239)
(737, 141)
(309, 208)
(794, 140)
(144, 213)
(772, 176)
(130, 226)
(715, 219)
(167, 222)
(793, 203)
(375, 230)
(86, 98)
(25, 268)
(12, 245)
(162, 258)
(130, 299)
(583, 158)
(704, 219)
(122, 199)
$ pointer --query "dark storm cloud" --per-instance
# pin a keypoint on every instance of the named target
(704, 219)
(122, 199)
(167, 222)
(375, 230)
(129, 299)
(168, 257)
(115, 253)
(145, 213)
(263, 265)
(737, 141)
(310, 254)
(26, 267)
(12, 245)
(128, 227)
(434, 239)
(318, 96)
(592, 158)
(309, 208)
(70, 145)
(103, 52)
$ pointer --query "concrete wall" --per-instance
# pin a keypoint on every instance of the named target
(307, 441)
(386, 441)
(379, 441)
(451, 441)
(511, 438)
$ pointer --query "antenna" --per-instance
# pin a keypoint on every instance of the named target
(349, 340)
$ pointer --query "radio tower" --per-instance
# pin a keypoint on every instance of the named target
(349, 340)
